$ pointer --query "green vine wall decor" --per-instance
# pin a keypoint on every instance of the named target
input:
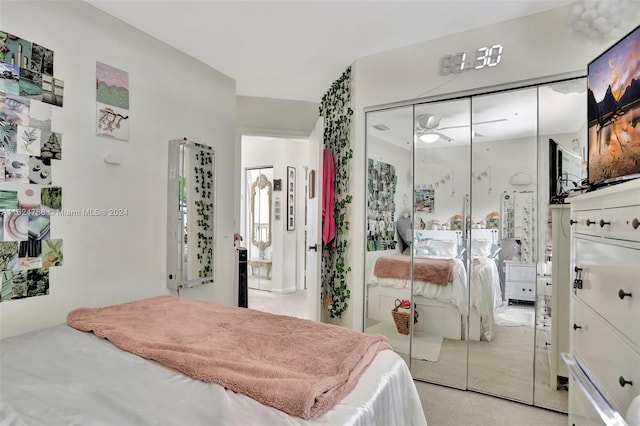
(203, 176)
(336, 110)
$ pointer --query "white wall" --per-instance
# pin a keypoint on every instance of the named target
(116, 259)
(287, 249)
(536, 48)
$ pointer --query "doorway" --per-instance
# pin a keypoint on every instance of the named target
(272, 222)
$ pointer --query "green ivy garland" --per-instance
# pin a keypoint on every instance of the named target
(336, 110)
(203, 176)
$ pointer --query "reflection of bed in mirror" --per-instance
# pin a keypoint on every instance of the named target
(440, 284)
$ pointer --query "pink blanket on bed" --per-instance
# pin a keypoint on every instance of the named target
(436, 271)
(298, 366)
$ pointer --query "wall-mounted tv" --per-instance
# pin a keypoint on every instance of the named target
(564, 171)
(613, 111)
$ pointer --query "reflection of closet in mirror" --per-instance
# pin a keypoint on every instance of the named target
(479, 180)
(190, 242)
(259, 224)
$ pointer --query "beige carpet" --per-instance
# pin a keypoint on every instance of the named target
(426, 346)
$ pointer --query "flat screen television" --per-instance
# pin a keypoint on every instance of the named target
(564, 172)
(613, 111)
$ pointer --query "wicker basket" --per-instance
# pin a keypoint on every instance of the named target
(400, 318)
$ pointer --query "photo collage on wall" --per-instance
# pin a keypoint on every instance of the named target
(112, 102)
(381, 192)
(28, 145)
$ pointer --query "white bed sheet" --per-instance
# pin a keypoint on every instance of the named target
(60, 375)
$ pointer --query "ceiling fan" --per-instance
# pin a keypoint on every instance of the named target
(428, 128)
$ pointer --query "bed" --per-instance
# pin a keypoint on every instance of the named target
(442, 306)
(61, 375)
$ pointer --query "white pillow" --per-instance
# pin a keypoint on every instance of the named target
(445, 248)
(480, 248)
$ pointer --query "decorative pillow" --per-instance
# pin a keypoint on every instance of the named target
(426, 251)
(480, 248)
(495, 249)
(445, 248)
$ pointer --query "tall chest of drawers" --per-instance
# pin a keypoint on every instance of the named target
(605, 302)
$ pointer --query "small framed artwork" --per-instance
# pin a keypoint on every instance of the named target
(277, 184)
(291, 198)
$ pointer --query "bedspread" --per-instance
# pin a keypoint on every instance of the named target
(240, 349)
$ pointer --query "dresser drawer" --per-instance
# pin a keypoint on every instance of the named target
(581, 412)
(607, 357)
(520, 272)
(587, 222)
(608, 273)
(618, 223)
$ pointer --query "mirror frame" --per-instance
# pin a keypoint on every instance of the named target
(175, 216)
(261, 182)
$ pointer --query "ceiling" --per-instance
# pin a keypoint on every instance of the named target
(295, 49)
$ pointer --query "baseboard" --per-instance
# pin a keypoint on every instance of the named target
(286, 290)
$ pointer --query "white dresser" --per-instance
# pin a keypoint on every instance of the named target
(520, 281)
(605, 304)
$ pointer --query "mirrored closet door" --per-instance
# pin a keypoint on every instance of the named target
(503, 242)
(467, 255)
(439, 247)
(389, 226)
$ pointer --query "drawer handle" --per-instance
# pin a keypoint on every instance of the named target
(571, 221)
(624, 382)
(635, 223)
(576, 326)
(589, 222)
(603, 223)
(548, 283)
(547, 344)
(622, 294)
(577, 269)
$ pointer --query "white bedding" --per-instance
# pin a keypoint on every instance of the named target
(59, 375)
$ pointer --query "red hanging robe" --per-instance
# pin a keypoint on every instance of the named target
(328, 197)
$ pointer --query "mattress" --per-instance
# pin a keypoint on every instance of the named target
(59, 375)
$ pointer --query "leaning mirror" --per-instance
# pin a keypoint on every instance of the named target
(190, 242)
(261, 212)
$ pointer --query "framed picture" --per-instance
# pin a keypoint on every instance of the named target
(291, 198)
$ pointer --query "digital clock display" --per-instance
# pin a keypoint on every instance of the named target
(462, 61)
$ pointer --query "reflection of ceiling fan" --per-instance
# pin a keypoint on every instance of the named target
(428, 128)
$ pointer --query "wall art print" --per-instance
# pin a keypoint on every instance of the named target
(424, 199)
(28, 144)
(112, 102)
(291, 198)
(381, 192)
